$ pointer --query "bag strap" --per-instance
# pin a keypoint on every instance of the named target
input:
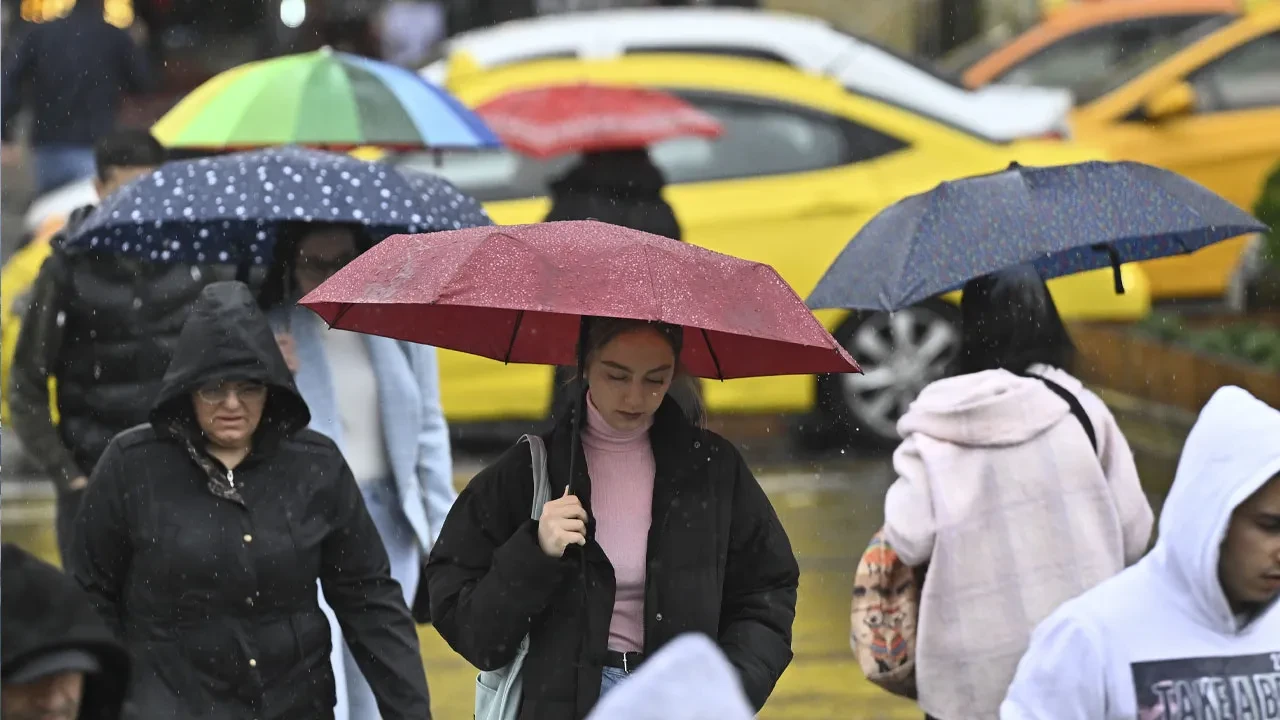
(1076, 408)
(541, 480)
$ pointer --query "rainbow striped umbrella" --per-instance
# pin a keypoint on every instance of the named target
(323, 99)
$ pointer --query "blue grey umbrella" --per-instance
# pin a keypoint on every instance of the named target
(227, 208)
(1061, 219)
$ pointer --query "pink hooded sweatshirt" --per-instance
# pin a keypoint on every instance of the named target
(1000, 492)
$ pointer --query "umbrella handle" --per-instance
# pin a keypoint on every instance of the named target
(1114, 256)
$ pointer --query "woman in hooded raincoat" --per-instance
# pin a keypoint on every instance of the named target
(203, 535)
(666, 532)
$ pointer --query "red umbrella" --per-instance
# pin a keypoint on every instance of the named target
(517, 293)
(553, 120)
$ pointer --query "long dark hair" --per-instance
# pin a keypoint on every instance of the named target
(279, 287)
(1009, 321)
(600, 331)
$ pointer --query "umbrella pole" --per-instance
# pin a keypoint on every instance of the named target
(579, 403)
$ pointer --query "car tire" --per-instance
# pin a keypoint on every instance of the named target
(863, 410)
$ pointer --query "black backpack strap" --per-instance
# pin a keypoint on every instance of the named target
(1076, 408)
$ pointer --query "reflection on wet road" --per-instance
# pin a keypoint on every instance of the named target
(829, 515)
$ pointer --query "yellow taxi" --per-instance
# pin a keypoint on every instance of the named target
(1211, 112)
(15, 282)
(801, 166)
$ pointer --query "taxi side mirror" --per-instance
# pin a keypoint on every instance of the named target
(1171, 102)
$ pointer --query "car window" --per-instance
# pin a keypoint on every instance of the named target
(1158, 50)
(1247, 77)
(760, 138)
(1067, 62)
(1075, 61)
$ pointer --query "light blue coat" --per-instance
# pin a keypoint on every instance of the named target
(414, 429)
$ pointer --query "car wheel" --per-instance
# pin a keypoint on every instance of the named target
(900, 353)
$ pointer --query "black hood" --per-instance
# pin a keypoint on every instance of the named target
(227, 337)
(618, 173)
(44, 612)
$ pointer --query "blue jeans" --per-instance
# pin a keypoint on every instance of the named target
(58, 165)
(355, 697)
(610, 678)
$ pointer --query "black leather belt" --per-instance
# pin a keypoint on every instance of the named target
(626, 662)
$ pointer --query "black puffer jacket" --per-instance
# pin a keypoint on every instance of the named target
(622, 187)
(719, 563)
(43, 612)
(106, 327)
(209, 576)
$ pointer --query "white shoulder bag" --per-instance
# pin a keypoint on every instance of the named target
(498, 692)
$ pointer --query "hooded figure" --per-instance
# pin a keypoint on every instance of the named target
(203, 535)
(1193, 630)
(622, 187)
(50, 629)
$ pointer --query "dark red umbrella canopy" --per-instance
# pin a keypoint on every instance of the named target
(517, 293)
(552, 120)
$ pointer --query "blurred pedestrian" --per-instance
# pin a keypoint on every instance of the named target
(379, 401)
(666, 532)
(1015, 488)
(103, 325)
(622, 187)
(1193, 630)
(60, 659)
(72, 73)
(204, 532)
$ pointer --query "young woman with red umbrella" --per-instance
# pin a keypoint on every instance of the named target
(655, 526)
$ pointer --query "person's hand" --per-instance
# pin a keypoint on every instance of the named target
(563, 523)
(10, 154)
(78, 484)
(289, 350)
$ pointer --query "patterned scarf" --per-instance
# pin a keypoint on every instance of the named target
(219, 484)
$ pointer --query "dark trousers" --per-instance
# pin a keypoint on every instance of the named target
(65, 521)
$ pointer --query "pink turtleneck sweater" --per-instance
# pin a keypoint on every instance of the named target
(622, 468)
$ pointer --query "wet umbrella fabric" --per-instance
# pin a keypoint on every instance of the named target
(1062, 220)
(549, 121)
(327, 99)
(226, 208)
(518, 294)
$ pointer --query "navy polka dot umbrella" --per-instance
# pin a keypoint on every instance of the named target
(226, 209)
(1061, 219)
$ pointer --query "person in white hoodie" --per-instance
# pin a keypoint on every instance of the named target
(1016, 488)
(1192, 631)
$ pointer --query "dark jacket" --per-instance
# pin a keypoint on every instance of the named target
(44, 612)
(72, 73)
(210, 576)
(719, 563)
(105, 326)
(622, 187)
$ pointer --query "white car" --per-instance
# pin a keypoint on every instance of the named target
(997, 113)
(59, 203)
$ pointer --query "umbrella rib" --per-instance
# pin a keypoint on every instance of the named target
(515, 330)
(341, 313)
(714, 359)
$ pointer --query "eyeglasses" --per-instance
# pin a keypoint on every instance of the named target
(244, 392)
(322, 268)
